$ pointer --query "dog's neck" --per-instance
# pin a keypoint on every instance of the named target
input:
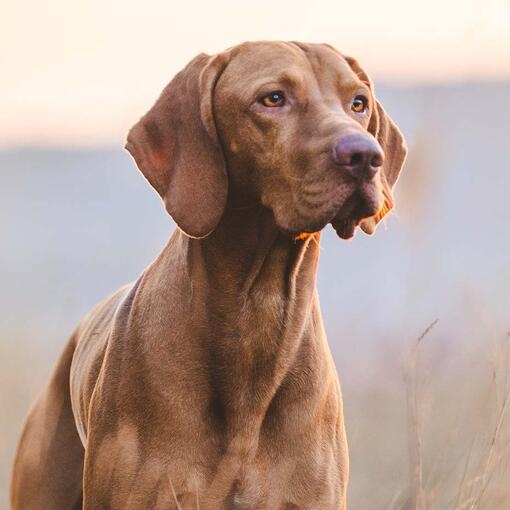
(247, 249)
(255, 290)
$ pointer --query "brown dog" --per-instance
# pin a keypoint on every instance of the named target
(209, 382)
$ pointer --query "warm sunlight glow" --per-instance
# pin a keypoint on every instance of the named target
(80, 73)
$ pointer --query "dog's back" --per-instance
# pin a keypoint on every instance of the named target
(48, 468)
(49, 462)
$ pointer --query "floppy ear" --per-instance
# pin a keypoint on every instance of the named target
(176, 147)
(393, 144)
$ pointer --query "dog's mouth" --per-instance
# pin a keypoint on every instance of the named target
(355, 212)
(364, 208)
(345, 227)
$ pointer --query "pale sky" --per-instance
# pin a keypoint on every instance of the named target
(80, 72)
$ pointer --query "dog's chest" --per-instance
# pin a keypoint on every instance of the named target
(239, 501)
(252, 498)
(245, 494)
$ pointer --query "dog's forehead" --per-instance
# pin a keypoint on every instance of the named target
(259, 60)
(256, 60)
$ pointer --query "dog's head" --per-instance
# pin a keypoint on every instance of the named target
(293, 126)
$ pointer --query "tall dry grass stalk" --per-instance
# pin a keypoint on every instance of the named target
(482, 474)
(415, 417)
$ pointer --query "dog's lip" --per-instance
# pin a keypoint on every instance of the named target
(347, 218)
(345, 227)
(350, 216)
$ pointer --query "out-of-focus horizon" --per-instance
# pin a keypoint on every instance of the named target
(76, 74)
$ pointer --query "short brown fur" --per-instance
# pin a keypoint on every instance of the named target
(209, 382)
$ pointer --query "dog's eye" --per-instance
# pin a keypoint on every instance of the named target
(274, 99)
(359, 104)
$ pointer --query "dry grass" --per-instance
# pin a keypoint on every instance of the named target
(456, 420)
(479, 479)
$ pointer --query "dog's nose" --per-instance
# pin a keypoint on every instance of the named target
(360, 155)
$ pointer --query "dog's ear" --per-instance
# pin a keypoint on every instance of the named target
(175, 146)
(393, 144)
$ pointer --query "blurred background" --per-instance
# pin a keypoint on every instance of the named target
(427, 416)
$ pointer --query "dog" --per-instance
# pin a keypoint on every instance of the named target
(209, 383)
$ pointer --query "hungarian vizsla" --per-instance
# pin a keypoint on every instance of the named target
(209, 383)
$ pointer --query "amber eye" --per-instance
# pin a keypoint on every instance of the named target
(274, 99)
(359, 104)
